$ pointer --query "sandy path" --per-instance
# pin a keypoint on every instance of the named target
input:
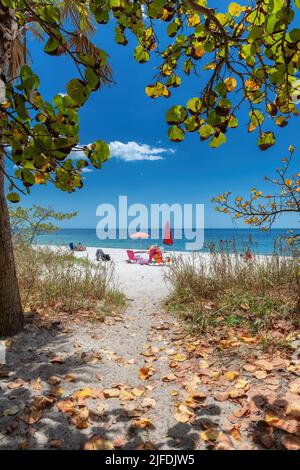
(107, 358)
(101, 357)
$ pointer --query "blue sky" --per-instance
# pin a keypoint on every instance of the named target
(191, 172)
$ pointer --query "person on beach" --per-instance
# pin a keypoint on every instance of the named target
(248, 256)
(80, 247)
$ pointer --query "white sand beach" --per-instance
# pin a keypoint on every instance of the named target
(142, 281)
(135, 280)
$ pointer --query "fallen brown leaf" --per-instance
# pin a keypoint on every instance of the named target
(23, 445)
(142, 423)
(195, 400)
(249, 367)
(146, 446)
(210, 435)
(84, 393)
(15, 384)
(235, 433)
(224, 443)
(80, 418)
(263, 364)
(169, 378)
(42, 402)
(291, 442)
(231, 375)
(293, 408)
(183, 413)
(221, 396)
(13, 410)
(57, 391)
(65, 406)
(119, 442)
(54, 380)
(70, 378)
(37, 385)
(145, 373)
(180, 357)
(148, 403)
(33, 416)
(57, 360)
(98, 443)
(236, 393)
(137, 392)
(260, 374)
(111, 393)
(56, 443)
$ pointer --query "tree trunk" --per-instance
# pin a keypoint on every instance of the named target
(11, 314)
(298, 283)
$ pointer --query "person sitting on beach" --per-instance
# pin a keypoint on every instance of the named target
(248, 256)
(80, 247)
(157, 256)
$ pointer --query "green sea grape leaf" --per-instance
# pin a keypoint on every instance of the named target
(176, 115)
(266, 140)
(176, 134)
(78, 91)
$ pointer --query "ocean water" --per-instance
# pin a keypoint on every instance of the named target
(231, 239)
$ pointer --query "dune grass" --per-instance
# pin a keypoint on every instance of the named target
(226, 289)
(65, 283)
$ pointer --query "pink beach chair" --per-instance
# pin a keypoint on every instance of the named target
(133, 259)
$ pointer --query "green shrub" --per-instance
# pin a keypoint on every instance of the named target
(223, 286)
(56, 279)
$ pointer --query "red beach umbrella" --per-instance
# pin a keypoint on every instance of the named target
(168, 238)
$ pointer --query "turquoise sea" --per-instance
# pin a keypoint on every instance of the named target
(232, 239)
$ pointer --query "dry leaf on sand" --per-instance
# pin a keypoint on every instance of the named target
(98, 443)
(183, 413)
(142, 423)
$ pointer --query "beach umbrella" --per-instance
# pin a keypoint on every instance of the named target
(139, 235)
(168, 238)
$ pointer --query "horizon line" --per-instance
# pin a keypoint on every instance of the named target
(193, 228)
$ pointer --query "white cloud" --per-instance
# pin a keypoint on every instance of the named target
(132, 151)
(87, 170)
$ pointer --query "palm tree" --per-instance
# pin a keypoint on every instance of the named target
(13, 37)
(13, 54)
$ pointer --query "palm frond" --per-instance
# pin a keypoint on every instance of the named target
(18, 56)
(79, 15)
(73, 12)
(80, 43)
(36, 31)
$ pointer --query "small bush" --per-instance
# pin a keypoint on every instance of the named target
(63, 282)
(223, 287)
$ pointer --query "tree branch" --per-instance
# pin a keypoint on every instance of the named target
(210, 13)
